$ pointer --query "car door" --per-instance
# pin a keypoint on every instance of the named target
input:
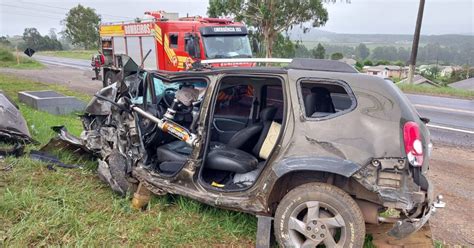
(233, 111)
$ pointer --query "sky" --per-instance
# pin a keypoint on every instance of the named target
(359, 17)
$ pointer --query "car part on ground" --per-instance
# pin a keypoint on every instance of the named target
(51, 160)
(14, 133)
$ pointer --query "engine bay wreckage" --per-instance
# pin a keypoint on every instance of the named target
(14, 133)
(261, 140)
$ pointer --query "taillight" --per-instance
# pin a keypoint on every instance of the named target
(413, 144)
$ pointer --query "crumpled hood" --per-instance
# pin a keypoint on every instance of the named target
(12, 123)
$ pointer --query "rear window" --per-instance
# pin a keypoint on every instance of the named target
(325, 99)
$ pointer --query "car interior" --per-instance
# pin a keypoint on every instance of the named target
(246, 121)
(165, 153)
(323, 99)
(245, 125)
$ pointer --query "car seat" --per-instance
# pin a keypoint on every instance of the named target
(318, 103)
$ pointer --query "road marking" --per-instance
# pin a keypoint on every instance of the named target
(444, 108)
(451, 129)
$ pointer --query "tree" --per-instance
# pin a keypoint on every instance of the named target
(52, 34)
(284, 47)
(270, 17)
(82, 26)
(319, 52)
(337, 56)
(368, 63)
(361, 51)
(33, 39)
(301, 51)
(5, 42)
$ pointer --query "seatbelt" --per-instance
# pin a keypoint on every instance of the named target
(254, 110)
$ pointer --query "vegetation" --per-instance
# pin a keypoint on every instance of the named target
(82, 26)
(34, 40)
(74, 54)
(362, 52)
(319, 52)
(436, 91)
(270, 18)
(7, 59)
(337, 56)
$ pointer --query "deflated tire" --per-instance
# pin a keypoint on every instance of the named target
(114, 172)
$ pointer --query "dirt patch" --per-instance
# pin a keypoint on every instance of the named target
(451, 172)
(74, 79)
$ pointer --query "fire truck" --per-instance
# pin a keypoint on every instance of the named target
(168, 42)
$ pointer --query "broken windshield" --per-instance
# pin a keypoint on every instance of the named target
(227, 47)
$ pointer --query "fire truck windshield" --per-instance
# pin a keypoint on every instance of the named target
(231, 46)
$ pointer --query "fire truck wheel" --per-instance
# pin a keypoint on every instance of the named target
(109, 78)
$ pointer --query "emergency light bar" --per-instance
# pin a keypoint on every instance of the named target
(247, 60)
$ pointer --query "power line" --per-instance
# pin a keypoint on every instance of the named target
(22, 8)
(20, 14)
(55, 7)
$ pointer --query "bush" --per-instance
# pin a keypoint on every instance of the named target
(6, 56)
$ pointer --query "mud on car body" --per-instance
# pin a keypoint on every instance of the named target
(315, 145)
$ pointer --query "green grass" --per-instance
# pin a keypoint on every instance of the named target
(74, 54)
(72, 207)
(8, 60)
(436, 91)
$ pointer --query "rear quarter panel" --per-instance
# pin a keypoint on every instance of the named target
(370, 130)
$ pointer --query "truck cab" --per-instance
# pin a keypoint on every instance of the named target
(163, 41)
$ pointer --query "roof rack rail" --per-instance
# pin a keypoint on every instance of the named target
(246, 60)
(297, 63)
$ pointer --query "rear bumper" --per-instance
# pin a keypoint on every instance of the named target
(405, 227)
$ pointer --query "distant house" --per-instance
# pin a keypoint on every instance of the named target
(466, 84)
(448, 70)
(420, 80)
(387, 71)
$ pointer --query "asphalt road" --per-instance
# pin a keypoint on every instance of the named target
(451, 120)
(80, 64)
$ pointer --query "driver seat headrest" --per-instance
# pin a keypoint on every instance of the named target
(268, 114)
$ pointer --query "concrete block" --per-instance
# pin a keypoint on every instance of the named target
(51, 102)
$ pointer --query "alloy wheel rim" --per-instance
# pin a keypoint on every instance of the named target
(314, 223)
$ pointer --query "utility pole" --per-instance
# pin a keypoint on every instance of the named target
(416, 40)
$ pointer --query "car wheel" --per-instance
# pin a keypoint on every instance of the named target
(109, 78)
(317, 214)
(114, 172)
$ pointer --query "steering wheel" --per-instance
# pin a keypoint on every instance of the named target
(168, 98)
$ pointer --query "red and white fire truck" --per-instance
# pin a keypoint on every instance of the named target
(175, 43)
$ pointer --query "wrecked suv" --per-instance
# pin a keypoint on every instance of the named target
(314, 147)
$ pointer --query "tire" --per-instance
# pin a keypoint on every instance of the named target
(338, 221)
(114, 172)
(109, 78)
